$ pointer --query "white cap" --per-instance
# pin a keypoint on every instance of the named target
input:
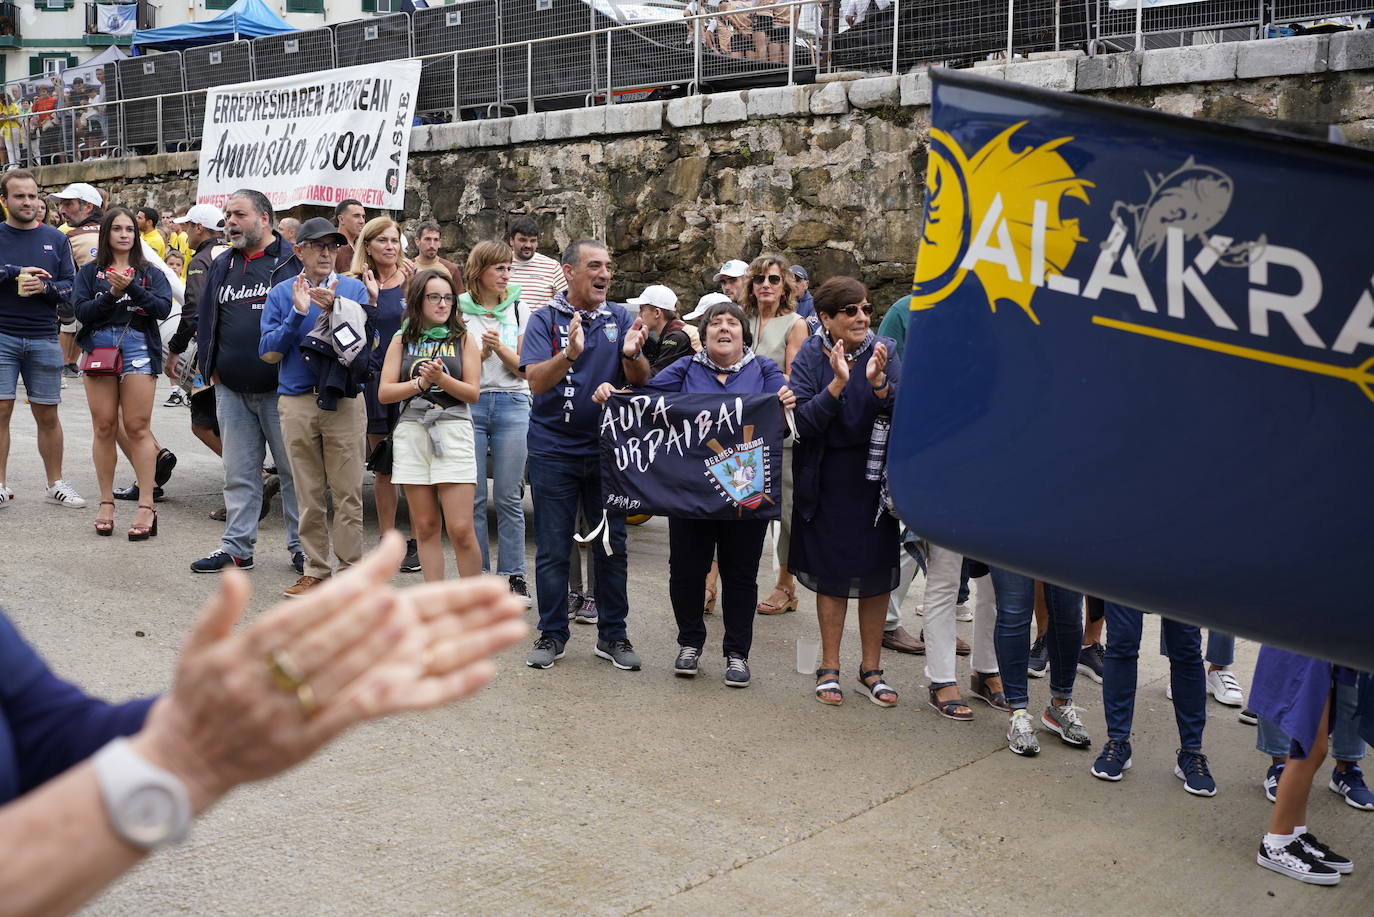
(80, 191)
(706, 302)
(656, 295)
(207, 215)
(734, 268)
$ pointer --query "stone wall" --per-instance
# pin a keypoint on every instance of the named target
(829, 175)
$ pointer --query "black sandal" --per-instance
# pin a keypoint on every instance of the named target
(880, 692)
(978, 687)
(829, 685)
(949, 709)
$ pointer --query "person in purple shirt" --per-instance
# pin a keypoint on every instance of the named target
(578, 342)
(726, 365)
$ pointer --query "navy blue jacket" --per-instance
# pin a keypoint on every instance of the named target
(285, 266)
(46, 724)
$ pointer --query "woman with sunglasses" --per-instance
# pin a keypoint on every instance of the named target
(378, 263)
(432, 370)
(119, 301)
(769, 298)
(844, 543)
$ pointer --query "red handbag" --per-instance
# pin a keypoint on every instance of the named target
(105, 361)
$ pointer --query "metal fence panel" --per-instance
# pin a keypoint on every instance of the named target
(147, 79)
(369, 41)
(293, 52)
(464, 80)
(1181, 18)
(568, 69)
(213, 65)
(1286, 12)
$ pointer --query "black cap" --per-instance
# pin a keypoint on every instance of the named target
(318, 229)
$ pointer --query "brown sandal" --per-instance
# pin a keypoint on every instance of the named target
(770, 607)
(140, 532)
(105, 527)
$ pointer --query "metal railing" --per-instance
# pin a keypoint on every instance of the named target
(486, 58)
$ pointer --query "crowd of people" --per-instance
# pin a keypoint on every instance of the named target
(50, 121)
(311, 353)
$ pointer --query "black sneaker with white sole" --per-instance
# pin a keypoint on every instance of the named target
(411, 562)
(686, 665)
(1295, 862)
(1325, 855)
(620, 652)
(216, 561)
(736, 671)
(519, 588)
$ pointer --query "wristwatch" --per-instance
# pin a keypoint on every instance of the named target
(147, 806)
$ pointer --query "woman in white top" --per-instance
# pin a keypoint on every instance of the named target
(501, 416)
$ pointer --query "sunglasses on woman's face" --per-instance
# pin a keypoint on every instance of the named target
(852, 309)
(770, 279)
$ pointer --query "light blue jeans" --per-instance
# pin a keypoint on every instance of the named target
(1346, 744)
(249, 425)
(500, 423)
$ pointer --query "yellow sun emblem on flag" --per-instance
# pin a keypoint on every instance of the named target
(996, 213)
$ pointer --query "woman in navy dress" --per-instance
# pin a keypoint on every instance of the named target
(844, 543)
(378, 263)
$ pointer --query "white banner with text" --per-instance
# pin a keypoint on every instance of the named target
(317, 138)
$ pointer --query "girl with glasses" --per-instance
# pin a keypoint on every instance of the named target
(432, 371)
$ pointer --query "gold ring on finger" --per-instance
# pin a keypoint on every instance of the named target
(305, 696)
(285, 674)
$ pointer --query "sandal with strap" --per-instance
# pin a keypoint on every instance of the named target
(770, 607)
(978, 686)
(140, 532)
(105, 527)
(831, 685)
(879, 691)
(949, 709)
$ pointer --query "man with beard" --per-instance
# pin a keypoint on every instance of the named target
(427, 239)
(539, 276)
(80, 206)
(570, 348)
(229, 326)
(35, 278)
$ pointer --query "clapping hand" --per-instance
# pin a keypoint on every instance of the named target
(249, 703)
(491, 342)
(576, 337)
(634, 339)
(324, 296)
(877, 367)
(373, 287)
(431, 371)
(300, 294)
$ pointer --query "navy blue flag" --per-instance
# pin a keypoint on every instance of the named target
(692, 456)
(1140, 362)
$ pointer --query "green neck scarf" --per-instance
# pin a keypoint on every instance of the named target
(470, 306)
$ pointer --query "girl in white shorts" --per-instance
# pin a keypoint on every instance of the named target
(432, 368)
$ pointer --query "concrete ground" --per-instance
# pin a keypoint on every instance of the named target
(584, 789)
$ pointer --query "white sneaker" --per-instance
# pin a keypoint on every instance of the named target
(64, 494)
(963, 613)
(1223, 686)
(6, 495)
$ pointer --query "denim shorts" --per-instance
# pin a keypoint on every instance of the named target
(134, 347)
(38, 360)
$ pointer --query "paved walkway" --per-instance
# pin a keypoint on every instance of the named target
(583, 789)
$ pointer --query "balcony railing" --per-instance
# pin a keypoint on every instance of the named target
(9, 25)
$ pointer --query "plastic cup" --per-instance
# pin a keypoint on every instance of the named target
(808, 652)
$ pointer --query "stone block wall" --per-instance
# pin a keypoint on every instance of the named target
(830, 175)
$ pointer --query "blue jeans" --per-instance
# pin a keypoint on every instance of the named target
(1182, 643)
(1346, 744)
(1221, 648)
(249, 424)
(38, 360)
(1015, 611)
(558, 484)
(500, 422)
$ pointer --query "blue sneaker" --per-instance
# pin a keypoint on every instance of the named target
(1192, 770)
(1039, 663)
(1114, 760)
(298, 563)
(1271, 781)
(1350, 784)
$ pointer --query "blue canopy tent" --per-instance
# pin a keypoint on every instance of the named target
(245, 19)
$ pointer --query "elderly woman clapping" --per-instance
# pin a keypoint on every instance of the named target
(844, 544)
(726, 366)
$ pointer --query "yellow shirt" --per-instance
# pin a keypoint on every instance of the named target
(154, 240)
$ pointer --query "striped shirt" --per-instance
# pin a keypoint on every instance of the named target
(539, 278)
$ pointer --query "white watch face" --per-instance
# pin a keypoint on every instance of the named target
(148, 814)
